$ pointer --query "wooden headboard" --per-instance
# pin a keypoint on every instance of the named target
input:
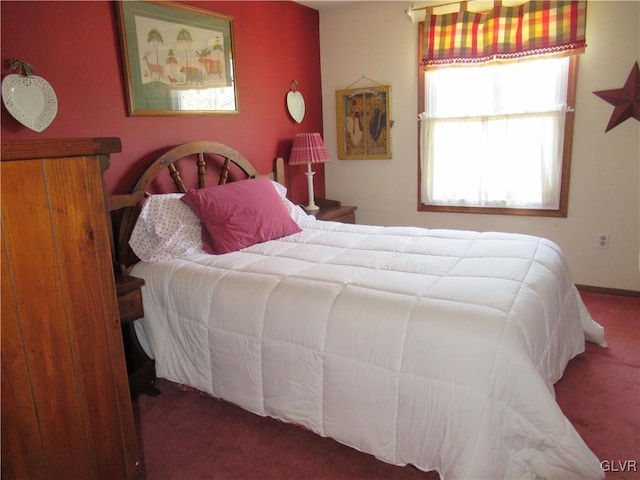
(205, 161)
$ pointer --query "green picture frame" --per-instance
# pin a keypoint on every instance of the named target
(177, 59)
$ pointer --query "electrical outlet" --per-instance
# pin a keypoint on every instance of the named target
(603, 240)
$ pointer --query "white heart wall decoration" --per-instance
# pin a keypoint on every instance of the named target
(295, 105)
(30, 99)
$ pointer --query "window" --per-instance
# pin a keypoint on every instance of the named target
(497, 90)
(496, 138)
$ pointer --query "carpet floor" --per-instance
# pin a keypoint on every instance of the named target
(186, 435)
(600, 389)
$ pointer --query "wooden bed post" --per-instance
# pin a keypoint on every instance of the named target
(278, 170)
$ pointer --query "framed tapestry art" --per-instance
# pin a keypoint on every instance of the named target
(362, 122)
(178, 59)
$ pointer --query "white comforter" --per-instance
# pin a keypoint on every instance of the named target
(437, 348)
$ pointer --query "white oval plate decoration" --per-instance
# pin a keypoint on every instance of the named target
(30, 99)
(295, 105)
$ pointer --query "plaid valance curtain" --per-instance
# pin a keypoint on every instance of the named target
(534, 28)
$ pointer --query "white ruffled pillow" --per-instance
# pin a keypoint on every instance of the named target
(167, 228)
(298, 214)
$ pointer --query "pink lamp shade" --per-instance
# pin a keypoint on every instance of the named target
(308, 148)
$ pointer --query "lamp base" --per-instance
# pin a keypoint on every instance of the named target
(311, 208)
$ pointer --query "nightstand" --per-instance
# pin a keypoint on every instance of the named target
(334, 211)
(140, 368)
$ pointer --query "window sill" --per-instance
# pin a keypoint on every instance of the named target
(529, 212)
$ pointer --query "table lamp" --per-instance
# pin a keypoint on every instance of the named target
(309, 148)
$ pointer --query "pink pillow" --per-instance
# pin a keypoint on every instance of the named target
(240, 214)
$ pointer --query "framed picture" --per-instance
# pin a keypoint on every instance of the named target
(178, 59)
(362, 122)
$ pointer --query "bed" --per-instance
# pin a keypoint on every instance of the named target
(437, 348)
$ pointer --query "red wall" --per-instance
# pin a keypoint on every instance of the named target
(75, 47)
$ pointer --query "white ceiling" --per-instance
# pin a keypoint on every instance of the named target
(323, 4)
(478, 5)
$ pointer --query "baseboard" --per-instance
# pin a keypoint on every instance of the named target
(608, 291)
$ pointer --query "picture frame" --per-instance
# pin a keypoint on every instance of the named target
(362, 123)
(177, 59)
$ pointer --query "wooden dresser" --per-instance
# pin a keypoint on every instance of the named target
(141, 368)
(66, 409)
(334, 211)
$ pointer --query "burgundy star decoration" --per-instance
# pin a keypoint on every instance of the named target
(626, 100)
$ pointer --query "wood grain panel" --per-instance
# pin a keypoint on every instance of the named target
(66, 407)
(73, 213)
(20, 430)
(26, 219)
